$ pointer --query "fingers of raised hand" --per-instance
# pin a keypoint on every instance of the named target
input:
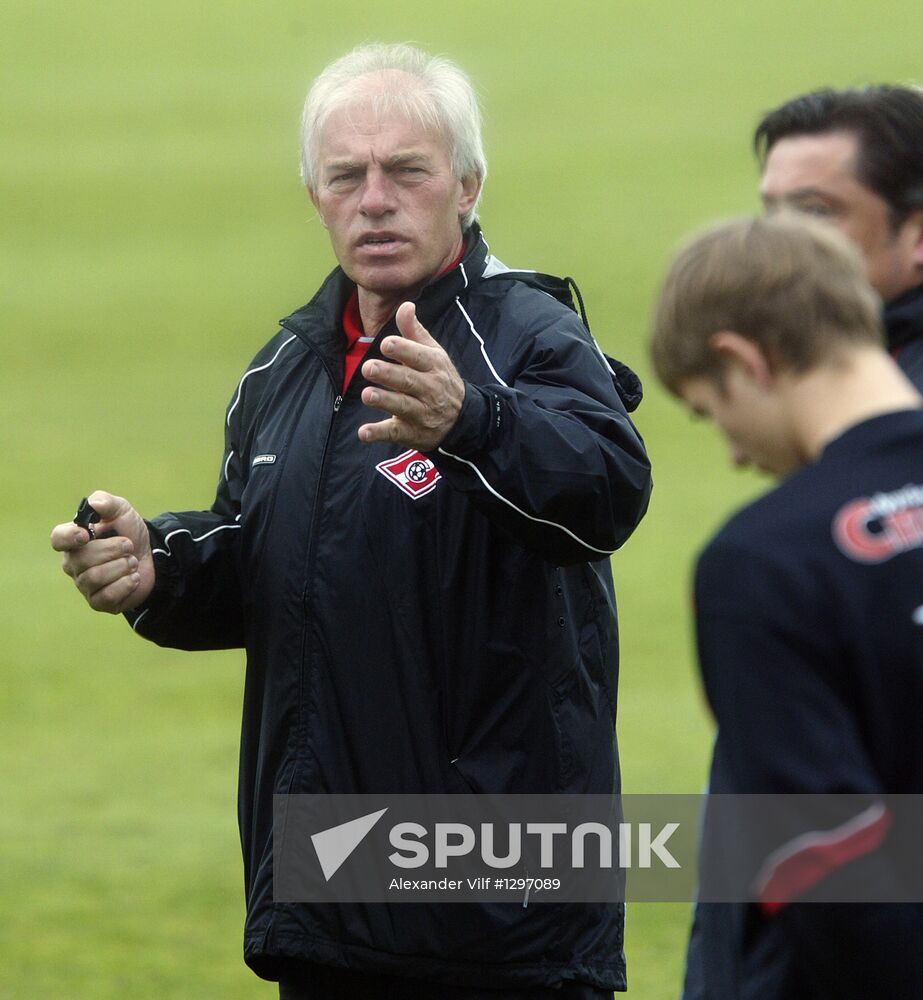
(420, 357)
(411, 422)
(398, 404)
(397, 377)
(393, 429)
(406, 320)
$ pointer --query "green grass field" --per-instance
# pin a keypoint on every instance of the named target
(153, 231)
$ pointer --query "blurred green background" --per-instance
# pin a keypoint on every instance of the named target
(153, 230)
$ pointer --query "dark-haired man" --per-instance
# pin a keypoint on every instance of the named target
(855, 158)
(808, 602)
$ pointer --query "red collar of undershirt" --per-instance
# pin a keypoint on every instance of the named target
(352, 319)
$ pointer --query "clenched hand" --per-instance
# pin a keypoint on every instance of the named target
(113, 574)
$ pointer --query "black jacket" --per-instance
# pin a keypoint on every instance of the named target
(903, 319)
(812, 661)
(461, 639)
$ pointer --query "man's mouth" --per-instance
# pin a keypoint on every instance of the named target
(380, 241)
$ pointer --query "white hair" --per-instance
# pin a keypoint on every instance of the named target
(440, 98)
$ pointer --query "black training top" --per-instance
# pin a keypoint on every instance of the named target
(809, 606)
(903, 320)
(810, 621)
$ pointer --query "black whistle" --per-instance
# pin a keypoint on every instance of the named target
(87, 516)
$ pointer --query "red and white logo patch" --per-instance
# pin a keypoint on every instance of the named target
(414, 473)
(875, 529)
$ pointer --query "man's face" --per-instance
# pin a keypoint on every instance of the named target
(816, 174)
(750, 417)
(387, 195)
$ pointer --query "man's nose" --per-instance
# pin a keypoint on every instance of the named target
(377, 194)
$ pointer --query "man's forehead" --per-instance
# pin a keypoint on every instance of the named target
(808, 161)
(380, 126)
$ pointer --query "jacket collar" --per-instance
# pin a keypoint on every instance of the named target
(319, 323)
(436, 297)
(903, 318)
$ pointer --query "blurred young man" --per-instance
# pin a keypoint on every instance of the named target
(855, 159)
(426, 599)
(809, 602)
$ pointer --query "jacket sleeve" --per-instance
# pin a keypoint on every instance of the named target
(197, 598)
(196, 601)
(548, 451)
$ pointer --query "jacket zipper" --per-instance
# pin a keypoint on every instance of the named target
(318, 492)
(318, 496)
(312, 537)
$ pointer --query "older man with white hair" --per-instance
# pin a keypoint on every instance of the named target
(426, 471)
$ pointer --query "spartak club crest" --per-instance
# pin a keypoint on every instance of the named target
(411, 472)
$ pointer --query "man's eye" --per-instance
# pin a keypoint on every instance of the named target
(817, 209)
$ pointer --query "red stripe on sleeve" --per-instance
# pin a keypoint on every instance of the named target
(805, 861)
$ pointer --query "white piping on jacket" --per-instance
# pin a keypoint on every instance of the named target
(197, 538)
(605, 360)
(167, 552)
(480, 340)
(530, 517)
(247, 374)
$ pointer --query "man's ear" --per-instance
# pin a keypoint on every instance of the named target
(735, 350)
(313, 196)
(471, 188)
